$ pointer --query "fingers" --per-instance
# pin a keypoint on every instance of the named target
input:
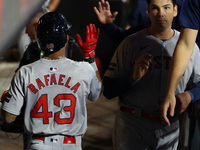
(107, 5)
(102, 5)
(88, 33)
(96, 11)
(171, 110)
(114, 14)
(92, 29)
(144, 59)
(93, 32)
(164, 117)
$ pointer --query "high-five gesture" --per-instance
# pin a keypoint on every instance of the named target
(89, 45)
(103, 12)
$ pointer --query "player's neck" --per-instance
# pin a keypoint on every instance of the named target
(161, 34)
(57, 55)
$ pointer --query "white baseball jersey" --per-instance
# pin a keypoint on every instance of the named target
(54, 93)
(149, 92)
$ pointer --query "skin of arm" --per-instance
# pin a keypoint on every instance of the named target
(8, 117)
(180, 60)
(53, 5)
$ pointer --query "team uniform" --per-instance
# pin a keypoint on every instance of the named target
(53, 90)
(55, 94)
(138, 124)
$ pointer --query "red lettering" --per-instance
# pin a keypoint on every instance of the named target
(75, 87)
(61, 79)
(53, 79)
(39, 83)
(32, 88)
(158, 65)
(167, 62)
(67, 83)
(46, 78)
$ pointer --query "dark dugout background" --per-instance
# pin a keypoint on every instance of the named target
(80, 13)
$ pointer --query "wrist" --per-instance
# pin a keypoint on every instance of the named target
(89, 59)
(89, 53)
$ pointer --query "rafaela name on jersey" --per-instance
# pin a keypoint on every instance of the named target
(51, 79)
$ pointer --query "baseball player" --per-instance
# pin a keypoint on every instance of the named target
(140, 68)
(54, 89)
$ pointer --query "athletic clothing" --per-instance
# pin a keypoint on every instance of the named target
(148, 93)
(55, 94)
(138, 15)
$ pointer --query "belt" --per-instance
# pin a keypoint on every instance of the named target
(66, 140)
(143, 114)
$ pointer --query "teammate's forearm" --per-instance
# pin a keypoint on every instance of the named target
(181, 57)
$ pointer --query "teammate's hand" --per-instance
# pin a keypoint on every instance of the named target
(168, 107)
(182, 102)
(104, 14)
(3, 96)
(141, 66)
(88, 47)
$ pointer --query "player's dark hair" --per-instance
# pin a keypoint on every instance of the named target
(173, 2)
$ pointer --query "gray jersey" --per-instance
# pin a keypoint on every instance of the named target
(54, 93)
(149, 92)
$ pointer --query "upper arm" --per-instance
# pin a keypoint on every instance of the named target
(187, 38)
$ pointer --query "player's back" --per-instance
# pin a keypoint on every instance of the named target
(56, 96)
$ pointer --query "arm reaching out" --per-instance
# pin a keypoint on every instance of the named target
(89, 45)
(103, 12)
(180, 60)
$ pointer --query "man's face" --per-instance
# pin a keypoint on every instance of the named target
(161, 13)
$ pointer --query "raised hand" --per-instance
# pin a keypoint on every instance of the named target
(89, 45)
(103, 12)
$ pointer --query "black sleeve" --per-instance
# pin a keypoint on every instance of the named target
(31, 54)
(117, 34)
(116, 87)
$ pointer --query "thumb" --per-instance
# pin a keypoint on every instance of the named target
(79, 40)
(115, 14)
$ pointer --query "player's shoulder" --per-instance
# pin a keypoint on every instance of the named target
(84, 65)
(27, 66)
(137, 36)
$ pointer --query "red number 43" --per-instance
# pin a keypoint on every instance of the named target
(42, 105)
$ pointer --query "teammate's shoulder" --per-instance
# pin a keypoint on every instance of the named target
(138, 35)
